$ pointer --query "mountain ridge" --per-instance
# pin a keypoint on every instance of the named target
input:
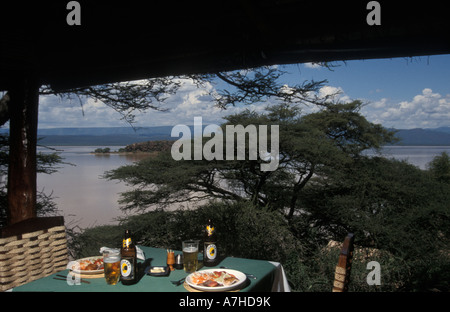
(119, 136)
(425, 137)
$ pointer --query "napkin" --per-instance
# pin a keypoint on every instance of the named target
(139, 252)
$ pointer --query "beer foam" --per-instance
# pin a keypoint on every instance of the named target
(111, 259)
(190, 249)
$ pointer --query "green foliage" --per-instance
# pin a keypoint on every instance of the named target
(100, 150)
(309, 144)
(88, 242)
(391, 206)
(439, 167)
(243, 230)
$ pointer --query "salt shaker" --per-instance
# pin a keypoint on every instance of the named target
(179, 262)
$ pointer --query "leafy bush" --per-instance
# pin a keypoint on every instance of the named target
(242, 230)
(105, 150)
(392, 207)
(89, 241)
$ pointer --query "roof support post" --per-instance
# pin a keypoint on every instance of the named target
(23, 107)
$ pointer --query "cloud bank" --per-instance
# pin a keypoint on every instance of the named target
(425, 110)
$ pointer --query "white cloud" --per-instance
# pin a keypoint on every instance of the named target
(334, 93)
(380, 104)
(187, 103)
(54, 112)
(426, 110)
(312, 65)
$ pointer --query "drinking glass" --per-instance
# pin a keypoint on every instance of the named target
(111, 264)
(190, 255)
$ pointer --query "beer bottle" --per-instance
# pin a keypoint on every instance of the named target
(128, 264)
(210, 245)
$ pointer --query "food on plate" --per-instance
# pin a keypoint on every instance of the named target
(213, 279)
(157, 270)
(88, 264)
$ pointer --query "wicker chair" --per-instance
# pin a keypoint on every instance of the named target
(32, 249)
(343, 269)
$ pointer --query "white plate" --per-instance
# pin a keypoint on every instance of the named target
(72, 265)
(239, 275)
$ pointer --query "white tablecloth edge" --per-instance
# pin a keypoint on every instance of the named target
(280, 283)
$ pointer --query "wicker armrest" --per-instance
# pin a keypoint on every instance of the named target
(31, 255)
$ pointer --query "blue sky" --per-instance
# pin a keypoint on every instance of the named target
(400, 92)
(398, 79)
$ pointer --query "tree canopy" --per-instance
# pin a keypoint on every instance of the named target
(309, 146)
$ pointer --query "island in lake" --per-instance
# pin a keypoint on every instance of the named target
(142, 147)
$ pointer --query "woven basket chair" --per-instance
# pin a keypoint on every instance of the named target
(32, 249)
(344, 266)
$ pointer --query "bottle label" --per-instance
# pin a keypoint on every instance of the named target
(211, 251)
(209, 230)
(126, 268)
(126, 242)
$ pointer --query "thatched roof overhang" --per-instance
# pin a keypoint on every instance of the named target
(136, 39)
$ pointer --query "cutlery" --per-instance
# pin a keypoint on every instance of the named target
(179, 282)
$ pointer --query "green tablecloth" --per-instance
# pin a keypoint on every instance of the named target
(265, 272)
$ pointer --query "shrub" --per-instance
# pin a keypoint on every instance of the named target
(90, 240)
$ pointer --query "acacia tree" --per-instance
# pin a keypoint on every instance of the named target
(309, 145)
(128, 98)
(396, 209)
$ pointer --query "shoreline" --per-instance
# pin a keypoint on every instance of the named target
(124, 153)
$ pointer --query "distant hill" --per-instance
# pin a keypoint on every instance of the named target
(441, 129)
(120, 136)
(97, 140)
(431, 137)
(112, 136)
(102, 131)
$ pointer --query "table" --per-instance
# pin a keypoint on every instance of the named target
(270, 277)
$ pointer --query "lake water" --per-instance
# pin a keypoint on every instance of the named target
(419, 156)
(82, 196)
(85, 199)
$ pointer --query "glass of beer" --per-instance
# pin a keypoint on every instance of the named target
(111, 264)
(190, 255)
